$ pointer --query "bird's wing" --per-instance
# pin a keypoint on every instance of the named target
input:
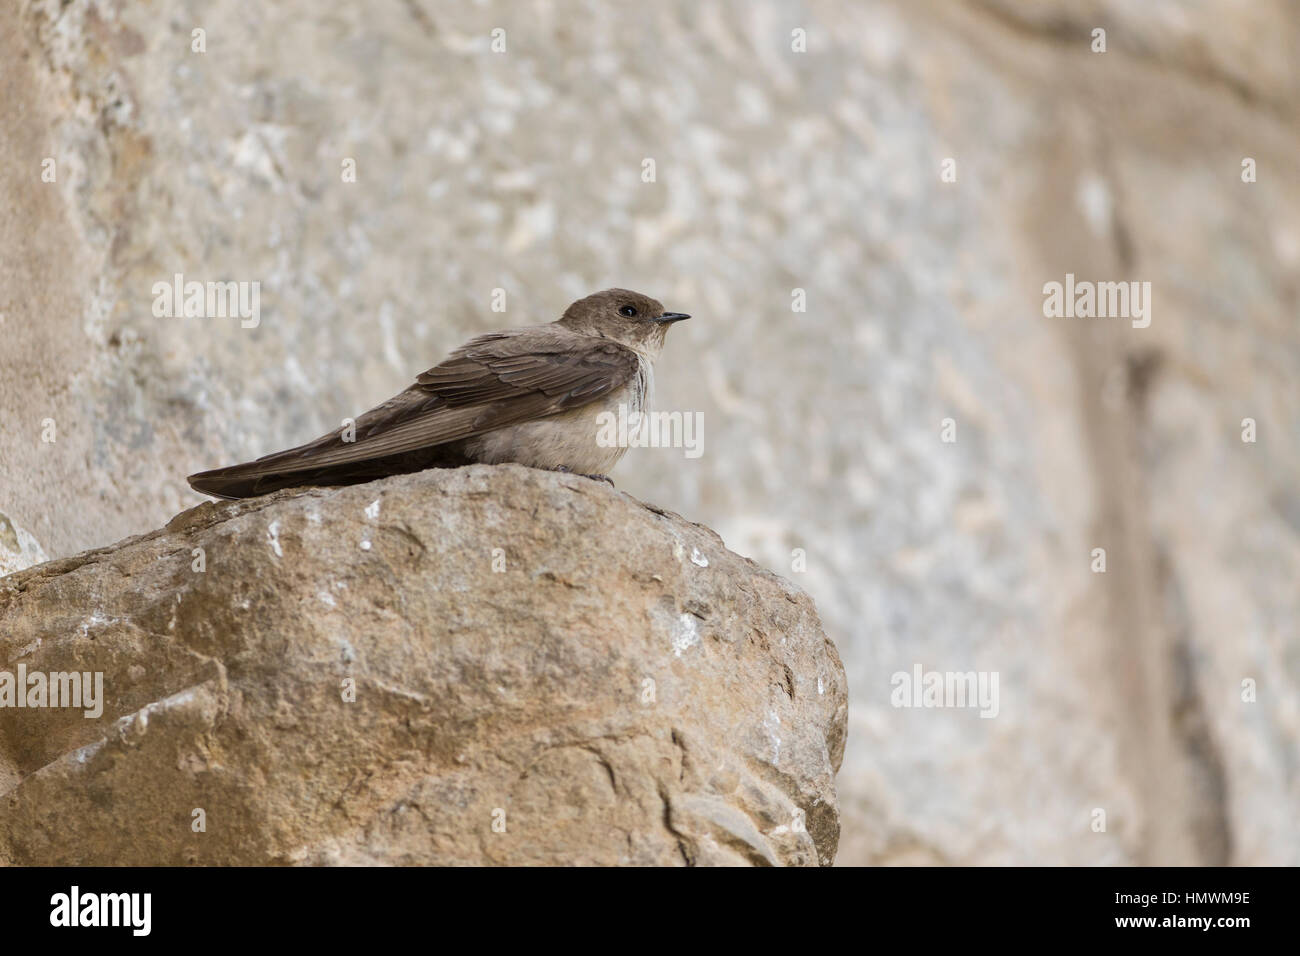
(502, 378)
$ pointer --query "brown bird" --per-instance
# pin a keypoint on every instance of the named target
(531, 395)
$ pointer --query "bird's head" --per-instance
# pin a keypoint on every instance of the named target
(629, 318)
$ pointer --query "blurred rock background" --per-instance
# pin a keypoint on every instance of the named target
(776, 170)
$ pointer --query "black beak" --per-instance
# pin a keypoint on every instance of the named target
(671, 317)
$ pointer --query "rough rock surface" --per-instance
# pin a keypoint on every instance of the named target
(776, 170)
(536, 650)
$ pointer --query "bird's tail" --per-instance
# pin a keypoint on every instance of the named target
(294, 469)
(236, 481)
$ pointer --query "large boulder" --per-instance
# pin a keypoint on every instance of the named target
(486, 665)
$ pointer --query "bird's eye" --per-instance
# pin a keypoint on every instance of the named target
(627, 310)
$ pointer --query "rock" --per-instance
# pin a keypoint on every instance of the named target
(18, 549)
(533, 653)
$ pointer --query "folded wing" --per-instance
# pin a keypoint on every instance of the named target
(495, 380)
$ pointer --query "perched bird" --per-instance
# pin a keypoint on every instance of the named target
(531, 395)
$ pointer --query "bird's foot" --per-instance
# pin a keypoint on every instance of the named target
(565, 469)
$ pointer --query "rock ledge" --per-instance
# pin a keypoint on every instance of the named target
(546, 671)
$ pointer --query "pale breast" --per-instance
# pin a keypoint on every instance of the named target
(576, 439)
